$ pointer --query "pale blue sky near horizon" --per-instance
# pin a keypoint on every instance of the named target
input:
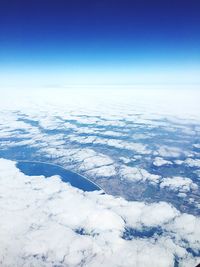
(113, 42)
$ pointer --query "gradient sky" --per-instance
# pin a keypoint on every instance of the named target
(64, 42)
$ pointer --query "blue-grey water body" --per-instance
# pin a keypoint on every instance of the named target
(39, 168)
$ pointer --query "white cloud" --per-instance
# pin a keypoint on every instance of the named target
(40, 219)
(178, 162)
(179, 184)
(112, 133)
(82, 139)
(132, 146)
(193, 162)
(196, 146)
(160, 162)
(45, 211)
(166, 151)
(126, 160)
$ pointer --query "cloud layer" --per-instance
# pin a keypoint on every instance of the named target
(129, 142)
(140, 146)
(45, 222)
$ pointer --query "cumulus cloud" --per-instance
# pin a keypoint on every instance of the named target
(45, 222)
(165, 151)
(178, 184)
(132, 146)
(196, 146)
(160, 162)
(99, 135)
(193, 162)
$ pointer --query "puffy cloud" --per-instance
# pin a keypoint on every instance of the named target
(45, 222)
(196, 146)
(193, 162)
(184, 228)
(126, 160)
(165, 151)
(121, 144)
(97, 136)
(160, 162)
(178, 184)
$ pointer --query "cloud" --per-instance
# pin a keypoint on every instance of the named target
(160, 162)
(193, 162)
(181, 184)
(196, 146)
(103, 134)
(121, 144)
(45, 222)
(165, 151)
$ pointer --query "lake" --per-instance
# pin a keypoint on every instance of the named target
(46, 169)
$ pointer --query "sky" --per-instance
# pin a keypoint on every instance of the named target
(99, 42)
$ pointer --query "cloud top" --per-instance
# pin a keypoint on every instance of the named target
(45, 222)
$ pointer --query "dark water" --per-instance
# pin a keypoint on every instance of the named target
(38, 168)
(131, 233)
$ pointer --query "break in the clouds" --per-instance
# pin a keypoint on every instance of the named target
(45, 222)
(139, 147)
(138, 138)
(99, 95)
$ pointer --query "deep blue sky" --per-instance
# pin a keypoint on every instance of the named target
(101, 38)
